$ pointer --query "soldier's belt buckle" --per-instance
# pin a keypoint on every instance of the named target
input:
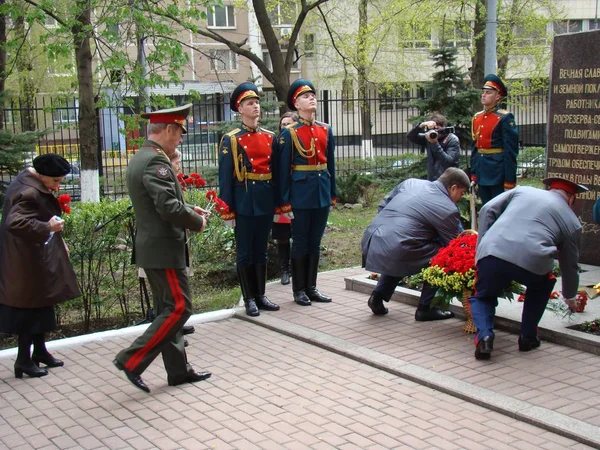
(318, 166)
(262, 176)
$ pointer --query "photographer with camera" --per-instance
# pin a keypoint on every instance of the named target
(442, 145)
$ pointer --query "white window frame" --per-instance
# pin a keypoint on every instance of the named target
(211, 16)
(66, 115)
(266, 57)
(223, 60)
(275, 15)
(570, 23)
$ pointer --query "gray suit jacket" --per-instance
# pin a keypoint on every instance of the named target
(419, 220)
(531, 228)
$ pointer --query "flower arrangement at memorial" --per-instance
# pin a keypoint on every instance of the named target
(192, 180)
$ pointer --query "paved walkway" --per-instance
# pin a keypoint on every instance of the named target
(272, 389)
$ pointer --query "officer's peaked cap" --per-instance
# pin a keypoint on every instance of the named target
(565, 185)
(492, 81)
(242, 92)
(177, 115)
(298, 87)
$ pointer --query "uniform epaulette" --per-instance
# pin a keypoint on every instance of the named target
(264, 130)
(502, 111)
(233, 132)
(479, 113)
(291, 124)
(321, 123)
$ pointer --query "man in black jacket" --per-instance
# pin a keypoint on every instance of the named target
(443, 150)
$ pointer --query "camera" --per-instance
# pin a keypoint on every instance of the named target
(433, 134)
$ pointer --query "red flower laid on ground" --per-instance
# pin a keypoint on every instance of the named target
(63, 201)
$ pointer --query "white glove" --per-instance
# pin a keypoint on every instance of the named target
(230, 223)
(473, 183)
(276, 218)
(289, 215)
(571, 303)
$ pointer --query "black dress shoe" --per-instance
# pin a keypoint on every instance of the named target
(47, 359)
(190, 377)
(285, 277)
(30, 369)
(185, 343)
(317, 297)
(432, 314)
(376, 304)
(263, 302)
(187, 329)
(136, 380)
(527, 344)
(483, 349)
(301, 298)
(251, 308)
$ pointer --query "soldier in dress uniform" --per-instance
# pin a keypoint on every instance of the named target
(521, 233)
(306, 188)
(246, 185)
(162, 219)
(495, 143)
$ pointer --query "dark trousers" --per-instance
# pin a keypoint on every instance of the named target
(173, 305)
(308, 227)
(387, 284)
(492, 277)
(251, 236)
(486, 193)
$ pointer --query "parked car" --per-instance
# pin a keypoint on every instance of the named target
(535, 167)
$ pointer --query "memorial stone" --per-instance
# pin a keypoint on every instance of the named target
(574, 126)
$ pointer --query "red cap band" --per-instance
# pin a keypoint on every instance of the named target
(494, 86)
(564, 185)
(301, 90)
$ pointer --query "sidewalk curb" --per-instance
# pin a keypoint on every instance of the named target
(541, 417)
(211, 316)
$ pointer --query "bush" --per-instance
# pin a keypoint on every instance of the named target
(351, 188)
(100, 244)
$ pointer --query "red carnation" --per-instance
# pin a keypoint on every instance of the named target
(211, 195)
(63, 201)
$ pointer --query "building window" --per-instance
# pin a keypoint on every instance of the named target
(309, 45)
(284, 13)
(568, 26)
(267, 59)
(459, 35)
(393, 96)
(525, 37)
(413, 35)
(221, 17)
(223, 61)
(65, 112)
(594, 24)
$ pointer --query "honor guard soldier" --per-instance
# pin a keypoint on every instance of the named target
(306, 188)
(495, 143)
(246, 185)
(162, 219)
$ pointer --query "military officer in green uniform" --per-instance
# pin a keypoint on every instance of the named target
(162, 219)
(495, 143)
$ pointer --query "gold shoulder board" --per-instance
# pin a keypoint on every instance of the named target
(233, 132)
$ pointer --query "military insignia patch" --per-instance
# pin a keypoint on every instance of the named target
(512, 124)
(281, 141)
(162, 171)
(224, 151)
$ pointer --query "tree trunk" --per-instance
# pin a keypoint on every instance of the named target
(88, 131)
(478, 59)
(2, 64)
(27, 90)
(363, 92)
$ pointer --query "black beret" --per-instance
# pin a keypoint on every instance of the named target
(51, 165)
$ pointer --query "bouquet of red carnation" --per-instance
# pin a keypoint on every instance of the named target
(193, 180)
(452, 270)
(214, 201)
(63, 201)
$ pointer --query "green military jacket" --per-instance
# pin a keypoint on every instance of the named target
(160, 210)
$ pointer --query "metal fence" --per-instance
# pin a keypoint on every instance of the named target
(390, 120)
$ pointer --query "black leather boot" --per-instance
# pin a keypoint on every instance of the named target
(262, 301)
(247, 276)
(284, 261)
(24, 364)
(41, 355)
(311, 288)
(376, 304)
(299, 281)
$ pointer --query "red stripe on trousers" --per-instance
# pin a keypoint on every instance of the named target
(168, 324)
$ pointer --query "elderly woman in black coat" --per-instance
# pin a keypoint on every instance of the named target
(35, 271)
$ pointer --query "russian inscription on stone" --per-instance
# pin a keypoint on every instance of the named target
(574, 126)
